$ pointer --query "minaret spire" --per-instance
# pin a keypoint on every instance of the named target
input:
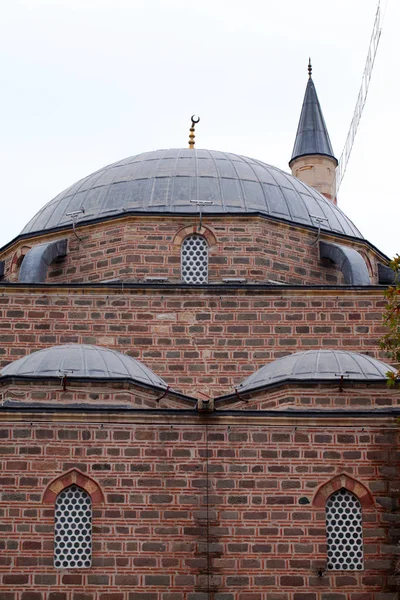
(312, 159)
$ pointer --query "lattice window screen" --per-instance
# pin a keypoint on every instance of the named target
(73, 529)
(194, 259)
(344, 532)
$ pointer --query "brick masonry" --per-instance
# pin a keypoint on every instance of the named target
(197, 340)
(253, 248)
(189, 505)
(190, 509)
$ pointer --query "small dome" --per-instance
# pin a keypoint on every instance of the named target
(165, 181)
(317, 365)
(78, 360)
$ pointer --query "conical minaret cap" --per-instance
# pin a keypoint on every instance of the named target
(312, 134)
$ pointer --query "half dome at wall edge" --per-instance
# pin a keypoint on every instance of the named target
(82, 361)
(316, 366)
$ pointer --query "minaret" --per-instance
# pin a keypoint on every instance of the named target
(312, 159)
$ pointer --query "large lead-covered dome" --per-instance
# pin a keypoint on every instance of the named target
(165, 181)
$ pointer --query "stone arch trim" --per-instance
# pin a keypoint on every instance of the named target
(190, 230)
(71, 477)
(343, 481)
(17, 258)
(368, 262)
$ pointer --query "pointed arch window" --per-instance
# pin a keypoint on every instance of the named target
(194, 259)
(344, 532)
(73, 529)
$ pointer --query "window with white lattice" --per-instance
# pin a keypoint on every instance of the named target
(194, 259)
(73, 529)
(344, 532)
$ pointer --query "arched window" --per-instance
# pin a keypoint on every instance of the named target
(344, 532)
(73, 529)
(194, 259)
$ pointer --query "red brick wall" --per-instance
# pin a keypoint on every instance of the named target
(67, 392)
(253, 248)
(330, 396)
(196, 340)
(336, 396)
(175, 526)
(150, 538)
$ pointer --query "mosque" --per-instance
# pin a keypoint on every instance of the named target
(193, 398)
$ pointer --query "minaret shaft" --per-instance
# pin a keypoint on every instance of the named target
(318, 171)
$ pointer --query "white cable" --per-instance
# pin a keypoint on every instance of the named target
(361, 98)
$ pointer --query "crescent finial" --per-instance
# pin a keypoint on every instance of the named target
(195, 119)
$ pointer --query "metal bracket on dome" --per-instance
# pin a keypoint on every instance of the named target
(34, 266)
(74, 216)
(342, 376)
(239, 396)
(63, 377)
(318, 220)
(349, 261)
(386, 275)
(1, 269)
(163, 394)
(200, 204)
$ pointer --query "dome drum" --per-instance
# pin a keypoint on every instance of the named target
(149, 250)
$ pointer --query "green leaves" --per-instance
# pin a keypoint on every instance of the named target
(390, 342)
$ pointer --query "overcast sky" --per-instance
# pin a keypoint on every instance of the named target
(88, 82)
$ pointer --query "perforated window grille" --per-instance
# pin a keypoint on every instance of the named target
(194, 259)
(73, 529)
(344, 532)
